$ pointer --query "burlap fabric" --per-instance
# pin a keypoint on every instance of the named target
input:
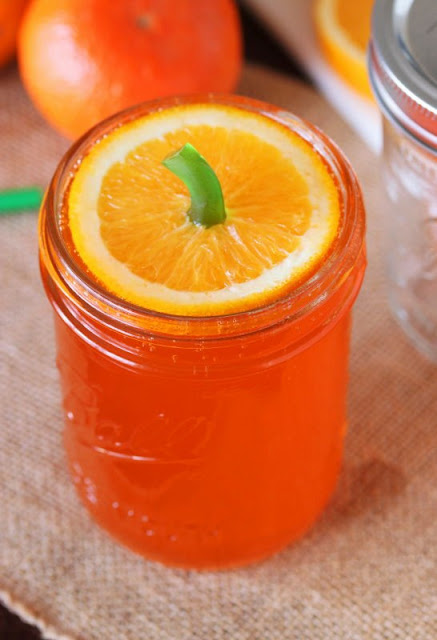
(368, 568)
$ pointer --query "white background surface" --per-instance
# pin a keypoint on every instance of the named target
(291, 22)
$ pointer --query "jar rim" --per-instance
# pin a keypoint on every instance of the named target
(80, 289)
(399, 69)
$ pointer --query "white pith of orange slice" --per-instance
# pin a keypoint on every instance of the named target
(127, 213)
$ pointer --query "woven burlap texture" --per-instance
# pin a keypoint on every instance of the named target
(367, 569)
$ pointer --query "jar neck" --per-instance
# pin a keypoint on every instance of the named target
(83, 301)
(182, 355)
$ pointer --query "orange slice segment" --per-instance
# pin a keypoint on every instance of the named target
(343, 27)
(128, 218)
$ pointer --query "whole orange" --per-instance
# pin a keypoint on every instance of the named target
(10, 16)
(83, 60)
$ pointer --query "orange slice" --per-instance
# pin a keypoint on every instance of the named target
(343, 27)
(128, 213)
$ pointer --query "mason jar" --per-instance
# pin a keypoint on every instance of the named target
(204, 442)
(403, 74)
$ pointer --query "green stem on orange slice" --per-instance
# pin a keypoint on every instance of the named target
(207, 204)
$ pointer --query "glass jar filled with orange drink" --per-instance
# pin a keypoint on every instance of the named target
(202, 256)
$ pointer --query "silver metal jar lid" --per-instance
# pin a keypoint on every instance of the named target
(403, 64)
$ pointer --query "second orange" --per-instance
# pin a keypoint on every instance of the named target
(83, 60)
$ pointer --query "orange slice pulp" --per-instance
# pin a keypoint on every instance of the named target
(127, 212)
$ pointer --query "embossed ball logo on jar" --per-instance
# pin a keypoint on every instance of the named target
(158, 438)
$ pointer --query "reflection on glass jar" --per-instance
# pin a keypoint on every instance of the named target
(410, 173)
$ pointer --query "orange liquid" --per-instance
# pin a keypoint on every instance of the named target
(208, 469)
(206, 453)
